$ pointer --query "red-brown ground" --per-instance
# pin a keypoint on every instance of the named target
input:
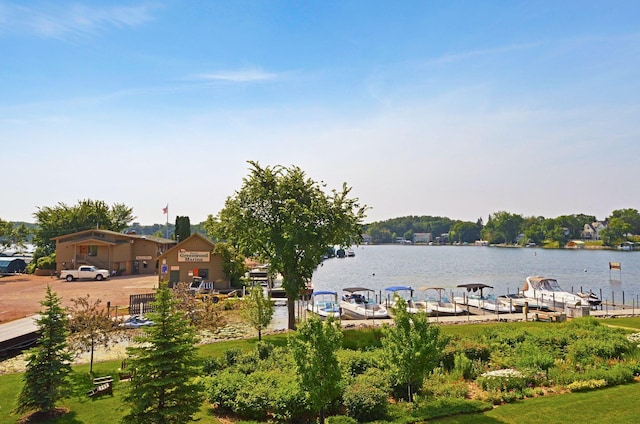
(20, 295)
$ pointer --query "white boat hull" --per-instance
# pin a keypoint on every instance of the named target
(488, 304)
(325, 309)
(363, 311)
(548, 291)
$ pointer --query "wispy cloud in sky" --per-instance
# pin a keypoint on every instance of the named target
(457, 57)
(243, 75)
(66, 22)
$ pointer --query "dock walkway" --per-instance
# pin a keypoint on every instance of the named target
(490, 317)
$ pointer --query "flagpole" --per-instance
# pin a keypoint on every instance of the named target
(167, 220)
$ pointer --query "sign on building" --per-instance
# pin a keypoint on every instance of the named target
(185, 256)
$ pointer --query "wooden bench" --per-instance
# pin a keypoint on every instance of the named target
(549, 316)
(101, 385)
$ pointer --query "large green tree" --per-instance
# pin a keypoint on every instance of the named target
(13, 235)
(314, 351)
(412, 347)
(628, 216)
(502, 227)
(48, 364)
(463, 231)
(53, 221)
(286, 219)
(165, 364)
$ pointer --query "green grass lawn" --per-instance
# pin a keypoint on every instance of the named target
(614, 405)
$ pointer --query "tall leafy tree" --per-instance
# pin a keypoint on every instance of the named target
(163, 389)
(465, 231)
(314, 351)
(286, 219)
(412, 348)
(13, 235)
(628, 216)
(91, 325)
(48, 364)
(502, 227)
(53, 221)
(257, 310)
(616, 232)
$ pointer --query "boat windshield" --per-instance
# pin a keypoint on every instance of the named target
(546, 284)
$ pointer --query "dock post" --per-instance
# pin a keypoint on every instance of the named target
(525, 311)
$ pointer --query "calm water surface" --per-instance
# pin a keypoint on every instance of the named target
(505, 269)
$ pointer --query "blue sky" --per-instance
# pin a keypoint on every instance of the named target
(444, 108)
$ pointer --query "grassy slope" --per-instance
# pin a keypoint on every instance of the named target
(612, 405)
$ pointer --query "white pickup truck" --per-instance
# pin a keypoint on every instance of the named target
(87, 272)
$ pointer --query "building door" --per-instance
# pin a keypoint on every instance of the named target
(174, 278)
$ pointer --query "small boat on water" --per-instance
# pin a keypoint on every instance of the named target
(358, 306)
(475, 297)
(549, 291)
(438, 304)
(325, 304)
(394, 291)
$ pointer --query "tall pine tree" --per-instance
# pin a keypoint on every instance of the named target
(165, 364)
(48, 363)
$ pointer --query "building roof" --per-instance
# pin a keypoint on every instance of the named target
(90, 232)
(187, 240)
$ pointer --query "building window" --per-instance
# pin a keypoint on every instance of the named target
(92, 250)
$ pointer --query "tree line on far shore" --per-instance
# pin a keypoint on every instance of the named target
(508, 228)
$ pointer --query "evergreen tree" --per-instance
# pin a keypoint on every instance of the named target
(257, 310)
(314, 350)
(48, 363)
(183, 228)
(412, 348)
(165, 364)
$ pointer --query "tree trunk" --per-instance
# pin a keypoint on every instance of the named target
(291, 308)
(321, 415)
(91, 361)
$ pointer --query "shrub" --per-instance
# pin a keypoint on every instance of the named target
(503, 380)
(583, 386)
(365, 402)
(231, 356)
(584, 351)
(222, 388)
(440, 386)
(465, 367)
(473, 350)
(264, 349)
(354, 363)
(211, 365)
(47, 262)
(614, 375)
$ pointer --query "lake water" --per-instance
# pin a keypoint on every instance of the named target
(380, 266)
